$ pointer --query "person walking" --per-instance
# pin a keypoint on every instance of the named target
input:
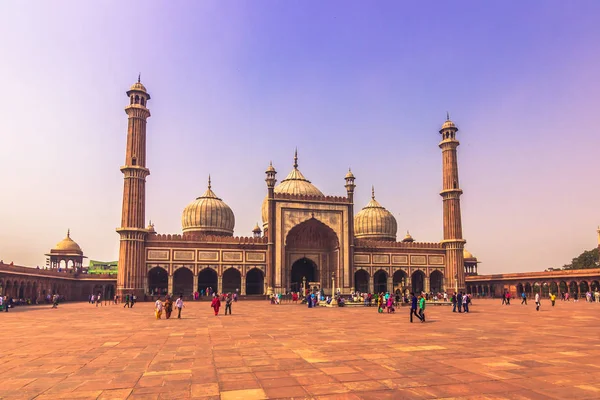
(168, 307)
(228, 301)
(179, 305)
(422, 308)
(537, 302)
(99, 299)
(413, 307)
(6, 303)
(524, 298)
(465, 300)
(158, 308)
(453, 300)
(126, 301)
(216, 304)
(552, 298)
(459, 300)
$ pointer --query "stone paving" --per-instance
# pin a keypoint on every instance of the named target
(79, 351)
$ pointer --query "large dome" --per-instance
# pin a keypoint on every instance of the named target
(294, 183)
(208, 214)
(67, 245)
(374, 222)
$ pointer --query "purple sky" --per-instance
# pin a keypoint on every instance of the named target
(360, 84)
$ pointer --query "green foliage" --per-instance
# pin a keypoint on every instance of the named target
(586, 260)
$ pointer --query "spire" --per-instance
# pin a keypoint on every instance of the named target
(139, 77)
(373, 192)
(296, 159)
(447, 116)
(209, 185)
(69, 232)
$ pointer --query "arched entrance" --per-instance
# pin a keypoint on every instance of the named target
(380, 281)
(520, 289)
(207, 278)
(545, 289)
(537, 288)
(595, 286)
(322, 242)
(158, 281)
(183, 282)
(528, 289)
(302, 270)
(418, 282)
(583, 287)
(255, 281)
(399, 280)
(554, 288)
(563, 287)
(436, 282)
(361, 281)
(573, 287)
(232, 280)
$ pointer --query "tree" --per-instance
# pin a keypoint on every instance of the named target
(586, 260)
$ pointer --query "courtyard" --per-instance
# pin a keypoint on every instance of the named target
(79, 351)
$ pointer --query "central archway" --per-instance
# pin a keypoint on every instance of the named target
(380, 282)
(418, 282)
(361, 281)
(232, 280)
(183, 282)
(158, 280)
(314, 246)
(255, 281)
(302, 269)
(436, 282)
(207, 278)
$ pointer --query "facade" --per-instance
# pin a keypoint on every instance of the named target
(308, 239)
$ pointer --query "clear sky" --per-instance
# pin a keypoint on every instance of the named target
(235, 84)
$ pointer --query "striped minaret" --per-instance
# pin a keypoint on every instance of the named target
(131, 278)
(453, 240)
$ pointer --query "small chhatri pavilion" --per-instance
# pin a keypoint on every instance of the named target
(66, 250)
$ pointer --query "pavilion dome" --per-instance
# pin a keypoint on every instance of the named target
(294, 183)
(67, 245)
(408, 238)
(208, 214)
(374, 222)
(467, 254)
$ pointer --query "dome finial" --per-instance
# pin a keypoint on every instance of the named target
(296, 158)
(447, 116)
(69, 232)
(373, 192)
(209, 185)
(139, 77)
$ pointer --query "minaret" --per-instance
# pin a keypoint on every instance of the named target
(271, 229)
(453, 241)
(131, 277)
(349, 178)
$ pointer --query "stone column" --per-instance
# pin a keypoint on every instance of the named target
(220, 284)
(390, 284)
(195, 283)
(371, 285)
(170, 286)
(243, 288)
(426, 282)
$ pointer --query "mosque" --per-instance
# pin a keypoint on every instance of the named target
(307, 239)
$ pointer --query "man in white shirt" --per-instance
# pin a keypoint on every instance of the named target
(179, 305)
(537, 302)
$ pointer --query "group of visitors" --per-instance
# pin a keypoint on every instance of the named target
(460, 301)
(228, 299)
(417, 303)
(167, 306)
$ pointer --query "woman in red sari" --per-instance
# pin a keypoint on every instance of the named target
(216, 304)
